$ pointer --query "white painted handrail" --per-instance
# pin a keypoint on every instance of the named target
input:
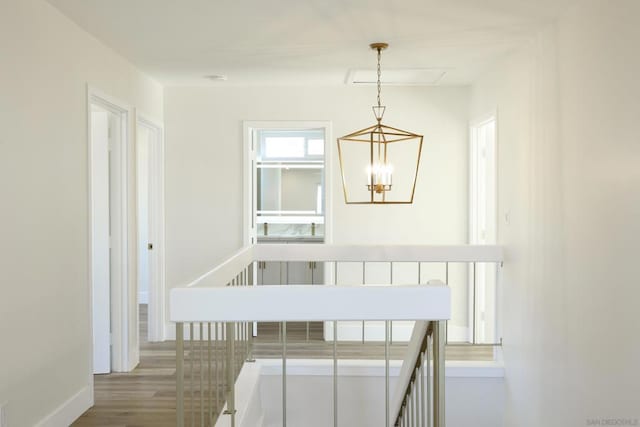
(378, 253)
(408, 365)
(226, 271)
(310, 303)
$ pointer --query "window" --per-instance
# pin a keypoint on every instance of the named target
(287, 147)
(315, 147)
(294, 145)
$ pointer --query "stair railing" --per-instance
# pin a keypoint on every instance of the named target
(214, 316)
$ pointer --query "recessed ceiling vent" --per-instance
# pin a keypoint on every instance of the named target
(400, 77)
(216, 77)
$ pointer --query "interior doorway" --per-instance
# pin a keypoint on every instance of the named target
(483, 226)
(150, 225)
(126, 212)
(287, 194)
(108, 143)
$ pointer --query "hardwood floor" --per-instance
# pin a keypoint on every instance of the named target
(144, 397)
(147, 397)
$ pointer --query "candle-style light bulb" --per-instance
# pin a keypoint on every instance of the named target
(379, 177)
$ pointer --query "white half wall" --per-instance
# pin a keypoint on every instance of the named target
(47, 62)
(474, 394)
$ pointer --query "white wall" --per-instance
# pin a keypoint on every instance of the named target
(204, 166)
(44, 290)
(569, 182)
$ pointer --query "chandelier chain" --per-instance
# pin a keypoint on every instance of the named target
(379, 74)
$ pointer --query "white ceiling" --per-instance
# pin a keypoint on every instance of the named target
(308, 42)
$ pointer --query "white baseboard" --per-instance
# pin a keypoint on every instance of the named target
(70, 410)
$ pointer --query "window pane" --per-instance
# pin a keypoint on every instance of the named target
(284, 147)
(315, 147)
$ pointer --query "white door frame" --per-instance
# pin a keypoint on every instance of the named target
(249, 154)
(124, 355)
(249, 232)
(479, 311)
(156, 229)
(100, 134)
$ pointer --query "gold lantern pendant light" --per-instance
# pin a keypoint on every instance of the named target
(390, 156)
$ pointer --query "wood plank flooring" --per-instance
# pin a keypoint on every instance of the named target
(146, 396)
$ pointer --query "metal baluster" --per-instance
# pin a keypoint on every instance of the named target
(243, 330)
(473, 337)
(231, 398)
(446, 273)
(423, 414)
(216, 351)
(496, 309)
(179, 374)
(201, 353)
(312, 267)
(410, 405)
(238, 352)
(446, 280)
(429, 402)
(284, 374)
(335, 355)
(280, 328)
(246, 324)
(192, 406)
(239, 335)
(234, 364)
(209, 394)
(250, 343)
(391, 282)
(404, 414)
(386, 372)
(438, 374)
(416, 387)
(416, 401)
(363, 282)
(223, 359)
